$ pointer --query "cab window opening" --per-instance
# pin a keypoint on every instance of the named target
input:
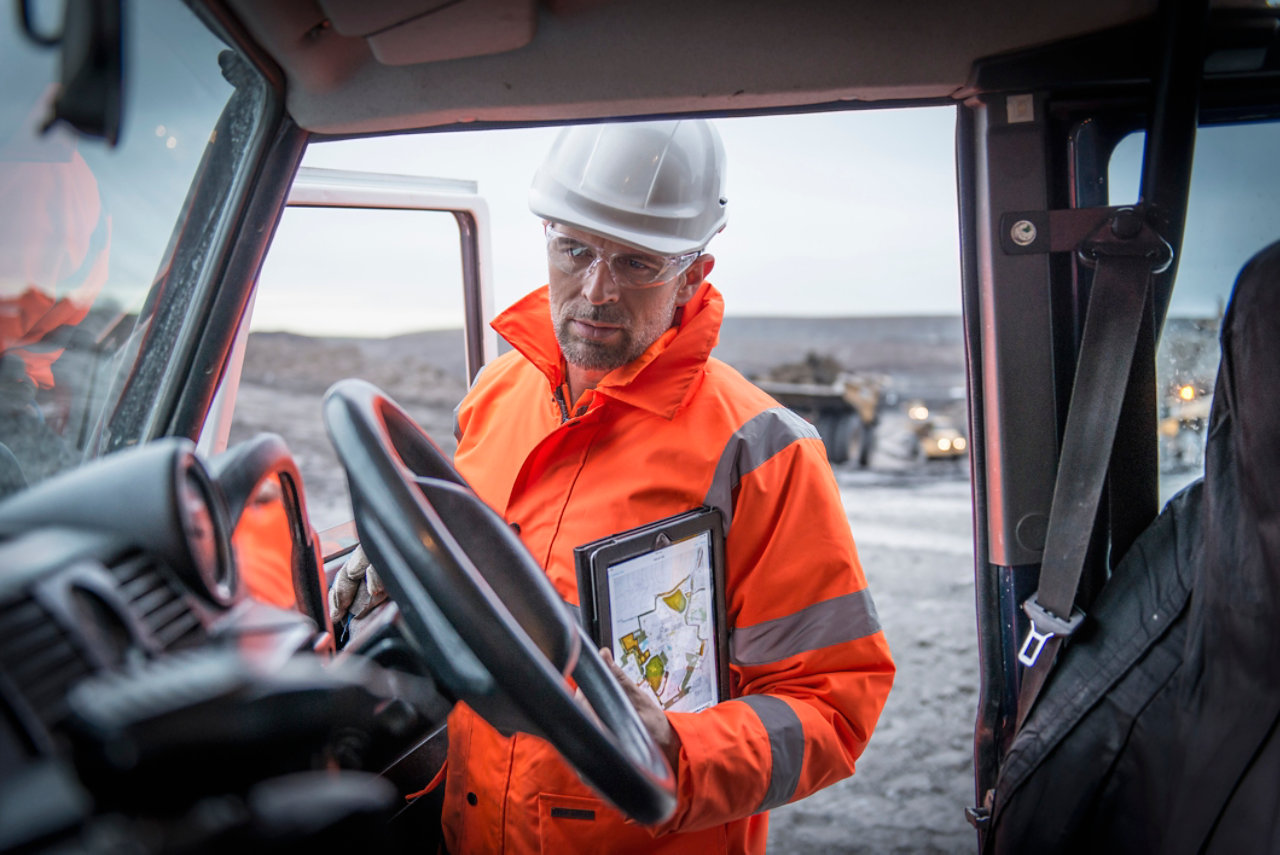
(1231, 214)
(841, 280)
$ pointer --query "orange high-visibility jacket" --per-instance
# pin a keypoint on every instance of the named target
(672, 431)
(54, 242)
(264, 548)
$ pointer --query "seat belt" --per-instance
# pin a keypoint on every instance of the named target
(1126, 254)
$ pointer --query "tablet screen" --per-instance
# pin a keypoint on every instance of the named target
(663, 624)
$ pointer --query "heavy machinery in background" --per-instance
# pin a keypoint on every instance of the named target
(843, 406)
(1184, 416)
(1186, 380)
(937, 433)
(848, 408)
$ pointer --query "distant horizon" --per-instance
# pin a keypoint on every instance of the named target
(729, 316)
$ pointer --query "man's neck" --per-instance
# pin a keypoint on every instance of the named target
(581, 379)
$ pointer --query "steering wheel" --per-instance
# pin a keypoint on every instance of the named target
(491, 627)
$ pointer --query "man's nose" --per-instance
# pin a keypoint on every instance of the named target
(599, 286)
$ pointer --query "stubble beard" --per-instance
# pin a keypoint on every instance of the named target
(601, 356)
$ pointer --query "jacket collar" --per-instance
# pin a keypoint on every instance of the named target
(659, 380)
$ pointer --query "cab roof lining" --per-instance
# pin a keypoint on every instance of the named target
(585, 59)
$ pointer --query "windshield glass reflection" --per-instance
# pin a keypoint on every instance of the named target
(85, 228)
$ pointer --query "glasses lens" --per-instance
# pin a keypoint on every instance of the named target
(629, 269)
(640, 270)
(568, 255)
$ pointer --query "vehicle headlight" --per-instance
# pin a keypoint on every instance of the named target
(944, 444)
(959, 443)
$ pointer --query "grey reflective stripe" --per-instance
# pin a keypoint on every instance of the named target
(823, 624)
(751, 445)
(786, 747)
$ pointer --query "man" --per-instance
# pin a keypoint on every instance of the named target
(608, 414)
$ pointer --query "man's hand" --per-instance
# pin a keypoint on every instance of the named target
(356, 588)
(651, 714)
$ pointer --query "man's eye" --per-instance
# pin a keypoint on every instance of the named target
(639, 264)
(577, 251)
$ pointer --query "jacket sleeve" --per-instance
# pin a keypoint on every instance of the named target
(810, 669)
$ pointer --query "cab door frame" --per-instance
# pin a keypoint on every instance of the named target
(1023, 135)
(314, 187)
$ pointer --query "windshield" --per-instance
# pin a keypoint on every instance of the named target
(88, 241)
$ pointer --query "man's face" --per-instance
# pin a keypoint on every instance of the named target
(601, 324)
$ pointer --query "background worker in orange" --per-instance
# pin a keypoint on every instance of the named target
(608, 414)
(55, 238)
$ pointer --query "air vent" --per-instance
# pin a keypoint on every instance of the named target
(39, 659)
(157, 602)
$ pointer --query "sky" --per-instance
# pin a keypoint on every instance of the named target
(845, 214)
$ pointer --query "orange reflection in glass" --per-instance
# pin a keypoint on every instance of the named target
(263, 547)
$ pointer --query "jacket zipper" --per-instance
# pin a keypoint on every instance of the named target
(564, 408)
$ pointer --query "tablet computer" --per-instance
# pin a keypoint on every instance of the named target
(655, 596)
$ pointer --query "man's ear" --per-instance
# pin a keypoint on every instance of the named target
(694, 276)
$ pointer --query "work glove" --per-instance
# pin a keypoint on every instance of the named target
(356, 588)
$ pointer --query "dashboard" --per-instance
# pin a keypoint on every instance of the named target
(142, 685)
(109, 566)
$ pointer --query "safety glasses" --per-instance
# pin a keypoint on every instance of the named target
(630, 269)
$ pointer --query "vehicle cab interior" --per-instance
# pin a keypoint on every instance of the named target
(172, 680)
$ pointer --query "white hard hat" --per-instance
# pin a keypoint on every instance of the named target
(657, 186)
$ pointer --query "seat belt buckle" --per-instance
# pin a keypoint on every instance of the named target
(1044, 626)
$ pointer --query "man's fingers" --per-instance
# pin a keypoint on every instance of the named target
(621, 676)
(335, 604)
(356, 565)
(639, 698)
(346, 584)
(650, 711)
(341, 595)
(373, 581)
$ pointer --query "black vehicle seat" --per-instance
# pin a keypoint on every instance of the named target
(1158, 729)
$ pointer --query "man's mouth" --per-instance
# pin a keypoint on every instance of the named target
(594, 330)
